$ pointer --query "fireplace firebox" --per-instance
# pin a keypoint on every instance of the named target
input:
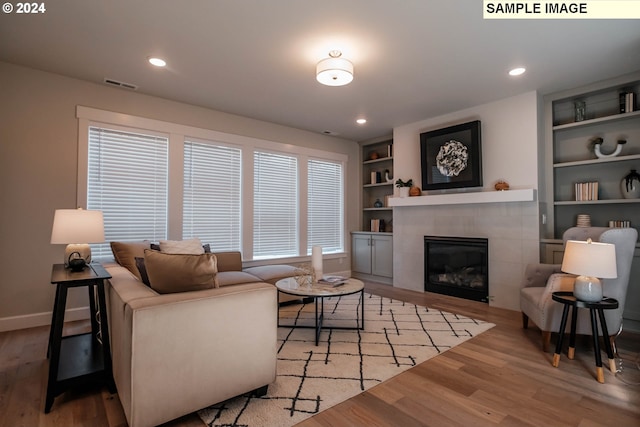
(457, 266)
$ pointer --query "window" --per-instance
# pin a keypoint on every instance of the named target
(158, 180)
(127, 181)
(275, 205)
(212, 196)
(325, 206)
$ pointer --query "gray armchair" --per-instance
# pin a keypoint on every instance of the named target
(541, 280)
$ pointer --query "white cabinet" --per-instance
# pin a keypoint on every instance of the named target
(372, 256)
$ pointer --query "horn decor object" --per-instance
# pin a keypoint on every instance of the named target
(596, 148)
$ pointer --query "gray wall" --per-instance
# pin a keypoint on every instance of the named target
(38, 172)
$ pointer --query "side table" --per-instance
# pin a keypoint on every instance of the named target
(569, 300)
(79, 358)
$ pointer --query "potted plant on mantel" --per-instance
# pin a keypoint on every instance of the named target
(404, 187)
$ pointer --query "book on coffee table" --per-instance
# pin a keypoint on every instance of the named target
(333, 280)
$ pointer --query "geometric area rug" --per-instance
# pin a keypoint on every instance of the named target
(310, 378)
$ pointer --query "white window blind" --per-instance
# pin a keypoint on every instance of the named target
(275, 206)
(325, 206)
(212, 196)
(127, 181)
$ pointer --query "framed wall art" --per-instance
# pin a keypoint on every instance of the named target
(452, 157)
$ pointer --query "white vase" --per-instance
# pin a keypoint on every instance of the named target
(404, 191)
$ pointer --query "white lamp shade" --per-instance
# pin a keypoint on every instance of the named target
(334, 71)
(77, 226)
(590, 259)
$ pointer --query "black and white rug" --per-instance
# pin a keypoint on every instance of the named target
(397, 336)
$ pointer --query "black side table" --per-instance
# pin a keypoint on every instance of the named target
(82, 358)
(569, 300)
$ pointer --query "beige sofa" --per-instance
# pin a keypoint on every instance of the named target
(176, 353)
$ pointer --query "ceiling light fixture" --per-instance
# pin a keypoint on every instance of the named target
(158, 62)
(334, 71)
(361, 121)
(517, 71)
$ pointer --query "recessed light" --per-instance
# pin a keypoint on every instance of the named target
(517, 71)
(157, 62)
(361, 121)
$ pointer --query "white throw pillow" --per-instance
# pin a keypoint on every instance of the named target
(183, 247)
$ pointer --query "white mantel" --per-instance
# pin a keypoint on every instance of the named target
(486, 196)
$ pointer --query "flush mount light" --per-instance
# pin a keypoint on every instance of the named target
(361, 121)
(517, 71)
(334, 71)
(157, 62)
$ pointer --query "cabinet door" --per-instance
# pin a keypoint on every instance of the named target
(382, 255)
(361, 248)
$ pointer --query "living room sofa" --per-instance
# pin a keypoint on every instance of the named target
(175, 353)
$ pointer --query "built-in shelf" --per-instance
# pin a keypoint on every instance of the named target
(597, 161)
(521, 195)
(595, 202)
(599, 120)
(379, 184)
(378, 160)
(377, 209)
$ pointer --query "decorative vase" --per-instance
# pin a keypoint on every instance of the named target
(377, 203)
(630, 185)
(414, 191)
(587, 289)
(404, 191)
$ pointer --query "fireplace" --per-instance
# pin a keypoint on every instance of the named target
(457, 266)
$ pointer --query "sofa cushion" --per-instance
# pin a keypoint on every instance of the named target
(169, 273)
(226, 278)
(125, 254)
(272, 273)
(186, 247)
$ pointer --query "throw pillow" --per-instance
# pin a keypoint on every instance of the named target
(206, 247)
(125, 254)
(188, 247)
(170, 273)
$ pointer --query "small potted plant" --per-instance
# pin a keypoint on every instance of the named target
(404, 187)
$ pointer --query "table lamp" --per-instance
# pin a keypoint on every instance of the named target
(77, 228)
(590, 261)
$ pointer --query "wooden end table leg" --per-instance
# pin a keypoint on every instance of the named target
(596, 346)
(563, 324)
(56, 344)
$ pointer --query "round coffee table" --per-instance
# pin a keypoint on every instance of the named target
(320, 291)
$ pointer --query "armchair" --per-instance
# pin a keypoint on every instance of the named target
(541, 280)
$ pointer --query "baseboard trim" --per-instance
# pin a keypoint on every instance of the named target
(40, 319)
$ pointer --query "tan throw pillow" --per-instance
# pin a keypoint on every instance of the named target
(189, 247)
(125, 254)
(169, 273)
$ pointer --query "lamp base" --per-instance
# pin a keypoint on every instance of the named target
(587, 289)
(75, 253)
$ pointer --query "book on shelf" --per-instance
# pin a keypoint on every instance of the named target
(377, 225)
(627, 102)
(586, 191)
(390, 150)
(619, 224)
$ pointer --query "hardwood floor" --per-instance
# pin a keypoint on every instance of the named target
(499, 378)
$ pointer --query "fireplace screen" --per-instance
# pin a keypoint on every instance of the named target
(457, 266)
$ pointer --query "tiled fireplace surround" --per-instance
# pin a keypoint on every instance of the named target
(511, 227)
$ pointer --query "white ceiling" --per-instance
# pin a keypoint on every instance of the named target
(413, 59)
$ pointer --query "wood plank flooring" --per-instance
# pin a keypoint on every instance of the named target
(500, 378)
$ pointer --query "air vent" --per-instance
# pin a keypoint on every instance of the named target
(123, 85)
(330, 133)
